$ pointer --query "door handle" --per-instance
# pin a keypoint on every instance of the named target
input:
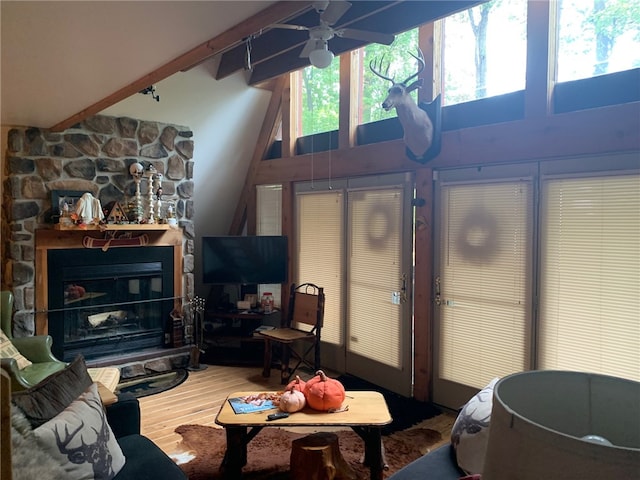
(403, 289)
(437, 299)
(400, 297)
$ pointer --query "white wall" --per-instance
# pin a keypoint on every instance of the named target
(226, 117)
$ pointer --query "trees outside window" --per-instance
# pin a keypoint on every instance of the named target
(597, 37)
(321, 87)
(320, 98)
(484, 55)
(485, 51)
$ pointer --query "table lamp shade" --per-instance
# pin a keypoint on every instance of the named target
(539, 419)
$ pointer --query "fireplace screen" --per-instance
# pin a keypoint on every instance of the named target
(109, 304)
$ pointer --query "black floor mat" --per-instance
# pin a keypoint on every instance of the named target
(405, 412)
(152, 384)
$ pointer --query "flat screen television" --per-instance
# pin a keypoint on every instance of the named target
(244, 259)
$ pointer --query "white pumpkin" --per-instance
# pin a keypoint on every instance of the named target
(292, 401)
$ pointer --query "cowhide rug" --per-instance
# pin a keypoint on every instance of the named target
(268, 453)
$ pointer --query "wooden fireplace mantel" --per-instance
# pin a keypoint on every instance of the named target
(115, 227)
(52, 238)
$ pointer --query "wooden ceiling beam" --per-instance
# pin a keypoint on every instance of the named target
(613, 128)
(266, 136)
(272, 14)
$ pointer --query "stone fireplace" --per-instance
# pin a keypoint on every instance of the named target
(41, 260)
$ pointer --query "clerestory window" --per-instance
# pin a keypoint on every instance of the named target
(597, 37)
(485, 51)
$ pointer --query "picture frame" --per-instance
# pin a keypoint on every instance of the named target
(58, 200)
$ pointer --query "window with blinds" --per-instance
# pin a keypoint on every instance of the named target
(590, 275)
(485, 278)
(320, 230)
(269, 222)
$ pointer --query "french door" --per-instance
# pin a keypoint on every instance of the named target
(354, 239)
(536, 267)
(483, 275)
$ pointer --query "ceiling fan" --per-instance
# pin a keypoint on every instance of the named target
(317, 48)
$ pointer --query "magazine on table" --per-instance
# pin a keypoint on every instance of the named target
(252, 403)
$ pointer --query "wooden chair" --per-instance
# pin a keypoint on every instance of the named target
(303, 323)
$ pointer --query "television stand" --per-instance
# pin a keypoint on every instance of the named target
(229, 337)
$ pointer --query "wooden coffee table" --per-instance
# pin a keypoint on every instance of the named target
(367, 414)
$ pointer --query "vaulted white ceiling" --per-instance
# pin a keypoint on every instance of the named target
(59, 57)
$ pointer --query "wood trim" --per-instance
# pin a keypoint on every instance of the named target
(272, 14)
(288, 223)
(426, 43)
(588, 132)
(423, 276)
(50, 239)
(541, 59)
(41, 291)
(349, 104)
(265, 138)
(178, 267)
(290, 101)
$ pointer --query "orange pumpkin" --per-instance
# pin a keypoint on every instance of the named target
(324, 393)
(297, 384)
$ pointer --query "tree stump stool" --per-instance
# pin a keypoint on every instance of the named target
(317, 457)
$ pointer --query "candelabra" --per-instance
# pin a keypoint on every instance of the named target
(150, 173)
(158, 187)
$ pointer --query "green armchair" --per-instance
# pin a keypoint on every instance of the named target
(40, 362)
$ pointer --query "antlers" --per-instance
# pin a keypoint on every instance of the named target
(372, 67)
(421, 65)
(376, 68)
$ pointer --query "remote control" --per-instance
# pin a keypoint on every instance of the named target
(277, 415)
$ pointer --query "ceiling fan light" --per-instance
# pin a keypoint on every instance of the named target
(321, 57)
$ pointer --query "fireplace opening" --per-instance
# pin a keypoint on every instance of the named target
(109, 303)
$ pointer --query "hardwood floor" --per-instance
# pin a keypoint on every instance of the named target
(197, 401)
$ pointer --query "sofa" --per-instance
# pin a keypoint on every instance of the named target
(144, 459)
(76, 436)
(440, 464)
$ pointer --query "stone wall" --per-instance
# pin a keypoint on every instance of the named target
(92, 156)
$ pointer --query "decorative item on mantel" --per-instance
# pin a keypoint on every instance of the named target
(89, 210)
(112, 240)
(114, 213)
(65, 216)
(171, 216)
(137, 171)
(158, 187)
(150, 173)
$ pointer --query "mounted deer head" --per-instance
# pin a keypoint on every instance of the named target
(417, 125)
